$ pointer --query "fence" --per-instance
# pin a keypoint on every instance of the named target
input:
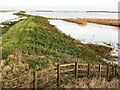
(46, 78)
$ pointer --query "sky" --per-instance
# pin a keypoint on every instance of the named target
(59, 5)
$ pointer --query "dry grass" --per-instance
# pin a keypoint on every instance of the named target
(13, 68)
(84, 21)
(93, 83)
(78, 21)
(111, 22)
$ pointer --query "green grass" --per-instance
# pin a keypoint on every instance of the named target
(42, 45)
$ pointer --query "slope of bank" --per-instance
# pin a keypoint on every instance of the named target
(34, 44)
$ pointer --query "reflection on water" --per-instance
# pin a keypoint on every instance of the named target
(92, 33)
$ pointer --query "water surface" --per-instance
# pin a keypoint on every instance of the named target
(75, 14)
(4, 16)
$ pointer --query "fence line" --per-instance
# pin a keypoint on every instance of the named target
(77, 70)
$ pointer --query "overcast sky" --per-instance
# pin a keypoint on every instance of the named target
(78, 5)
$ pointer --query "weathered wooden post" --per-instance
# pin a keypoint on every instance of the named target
(88, 72)
(76, 70)
(112, 70)
(99, 69)
(35, 80)
(58, 76)
(115, 69)
(107, 72)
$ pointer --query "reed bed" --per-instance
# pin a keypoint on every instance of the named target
(84, 21)
(111, 22)
(78, 21)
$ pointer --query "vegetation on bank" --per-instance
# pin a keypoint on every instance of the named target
(34, 44)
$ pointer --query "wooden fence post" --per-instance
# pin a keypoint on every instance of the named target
(115, 69)
(88, 72)
(58, 76)
(76, 70)
(99, 69)
(112, 70)
(107, 72)
(35, 80)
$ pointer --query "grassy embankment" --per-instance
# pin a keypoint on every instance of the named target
(84, 21)
(34, 44)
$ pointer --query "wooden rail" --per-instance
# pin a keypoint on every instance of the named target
(54, 74)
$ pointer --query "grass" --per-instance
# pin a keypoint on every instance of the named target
(34, 44)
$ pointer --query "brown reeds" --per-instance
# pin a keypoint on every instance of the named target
(111, 22)
(84, 21)
(78, 21)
